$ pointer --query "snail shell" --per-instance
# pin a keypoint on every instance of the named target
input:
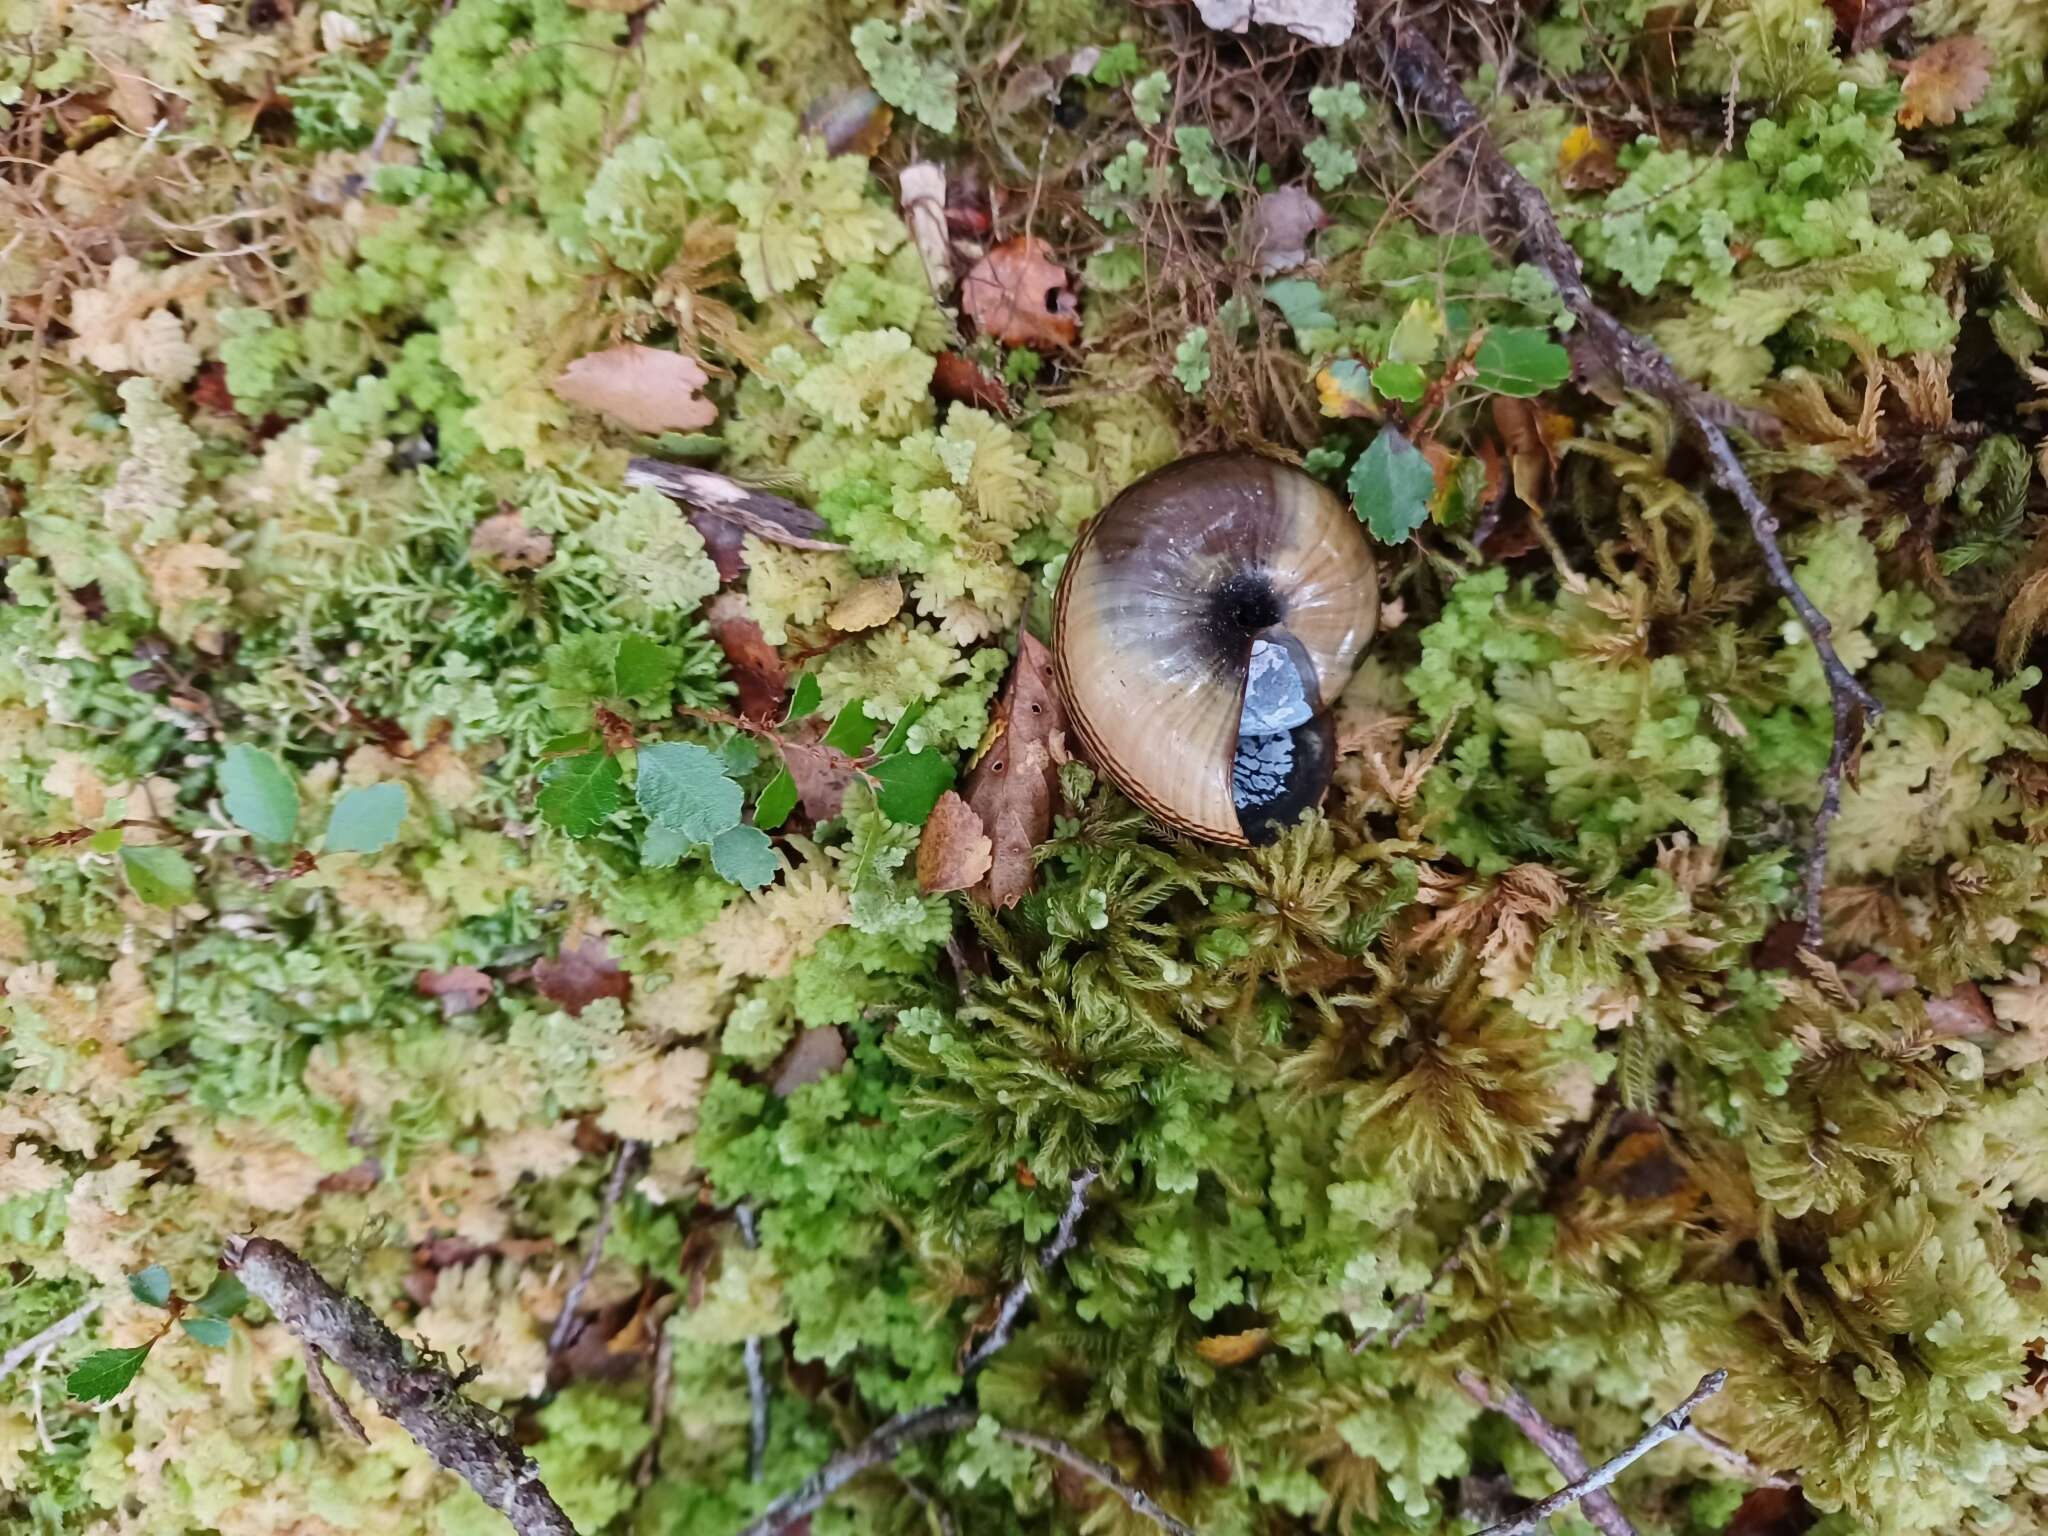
(1205, 623)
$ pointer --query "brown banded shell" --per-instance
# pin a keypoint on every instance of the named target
(1205, 623)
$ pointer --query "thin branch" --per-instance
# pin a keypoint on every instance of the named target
(34, 1345)
(757, 1380)
(1595, 1481)
(876, 1450)
(955, 1413)
(567, 1322)
(425, 1400)
(1408, 1317)
(1741, 1462)
(382, 136)
(1137, 1498)
(1555, 1442)
(1426, 85)
(318, 1384)
(657, 1405)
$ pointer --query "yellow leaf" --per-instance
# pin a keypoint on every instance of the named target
(874, 601)
(1233, 1348)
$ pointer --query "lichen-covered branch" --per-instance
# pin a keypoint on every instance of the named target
(1591, 1485)
(757, 1380)
(460, 1435)
(35, 1344)
(1426, 86)
(1055, 1249)
(1137, 1498)
(1555, 1442)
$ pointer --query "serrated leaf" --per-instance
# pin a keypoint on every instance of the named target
(900, 731)
(574, 741)
(662, 847)
(911, 783)
(1391, 485)
(259, 794)
(1400, 381)
(745, 856)
(158, 876)
(210, 1331)
(365, 818)
(1519, 360)
(579, 794)
(683, 786)
(776, 802)
(151, 1286)
(104, 1374)
(224, 1298)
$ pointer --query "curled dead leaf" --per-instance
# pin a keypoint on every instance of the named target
(1018, 294)
(959, 378)
(814, 1054)
(1586, 162)
(1233, 1348)
(645, 388)
(460, 989)
(1282, 225)
(872, 602)
(1014, 784)
(1945, 80)
(954, 851)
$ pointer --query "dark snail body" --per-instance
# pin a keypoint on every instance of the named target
(1205, 624)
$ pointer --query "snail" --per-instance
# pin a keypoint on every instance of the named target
(1205, 623)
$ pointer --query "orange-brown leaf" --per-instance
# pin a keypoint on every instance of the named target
(756, 666)
(644, 387)
(1018, 294)
(1945, 80)
(580, 975)
(1014, 784)
(1233, 1348)
(954, 851)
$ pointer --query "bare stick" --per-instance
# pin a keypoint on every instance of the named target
(318, 1384)
(1555, 1442)
(1137, 1498)
(657, 1405)
(35, 1344)
(955, 1413)
(1740, 1462)
(567, 1322)
(879, 1448)
(1426, 85)
(1411, 1312)
(411, 72)
(460, 1435)
(1593, 1482)
(757, 1381)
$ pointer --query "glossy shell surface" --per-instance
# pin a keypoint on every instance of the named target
(1159, 606)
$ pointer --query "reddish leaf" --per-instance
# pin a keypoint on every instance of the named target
(1014, 784)
(1018, 294)
(459, 990)
(961, 379)
(210, 390)
(1963, 1012)
(580, 975)
(816, 1053)
(954, 851)
(1945, 80)
(821, 772)
(756, 666)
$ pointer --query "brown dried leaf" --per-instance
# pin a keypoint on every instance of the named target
(954, 851)
(1233, 1348)
(460, 989)
(1018, 294)
(504, 542)
(1945, 80)
(872, 602)
(821, 772)
(1014, 784)
(1962, 1013)
(646, 388)
(852, 122)
(580, 975)
(959, 378)
(814, 1054)
(756, 666)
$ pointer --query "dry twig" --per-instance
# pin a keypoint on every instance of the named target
(1555, 1442)
(1426, 86)
(957, 1412)
(566, 1321)
(37, 1344)
(757, 1381)
(1738, 1461)
(1589, 1486)
(318, 1384)
(1137, 1498)
(422, 1397)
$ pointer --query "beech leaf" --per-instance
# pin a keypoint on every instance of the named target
(578, 794)
(105, 1374)
(646, 388)
(1018, 294)
(1014, 783)
(365, 818)
(1391, 486)
(683, 786)
(159, 877)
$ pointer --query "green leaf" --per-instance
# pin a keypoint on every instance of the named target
(1417, 333)
(224, 1298)
(158, 876)
(900, 731)
(1391, 485)
(911, 783)
(579, 794)
(776, 802)
(662, 847)
(210, 1331)
(259, 794)
(1191, 360)
(1400, 381)
(745, 856)
(1302, 305)
(851, 730)
(1118, 63)
(104, 1374)
(1520, 360)
(365, 818)
(645, 670)
(804, 698)
(575, 741)
(106, 840)
(926, 89)
(151, 1286)
(683, 786)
